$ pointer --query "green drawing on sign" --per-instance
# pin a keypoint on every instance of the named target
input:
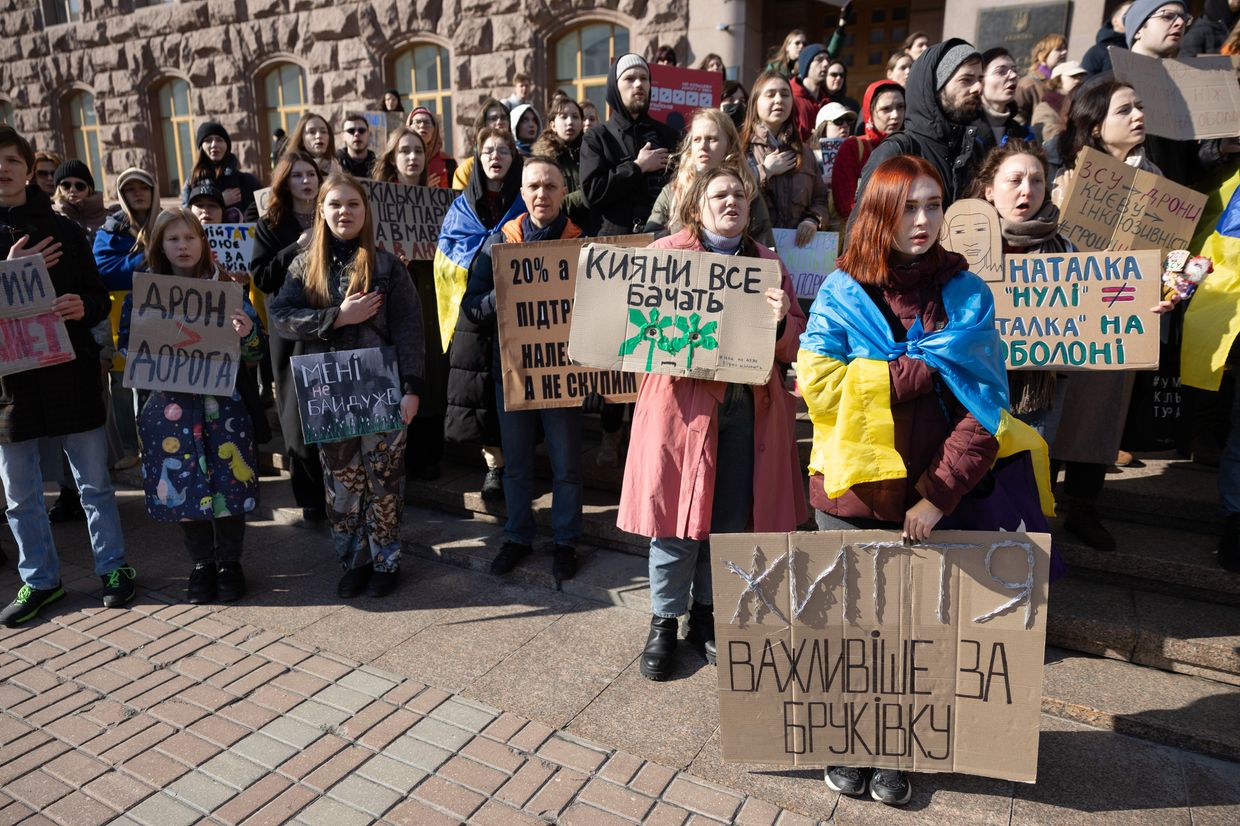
(649, 330)
(693, 336)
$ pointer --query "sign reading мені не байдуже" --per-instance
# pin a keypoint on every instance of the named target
(347, 393)
(851, 648)
(31, 334)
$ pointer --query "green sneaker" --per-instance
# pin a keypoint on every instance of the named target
(118, 586)
(29, 603)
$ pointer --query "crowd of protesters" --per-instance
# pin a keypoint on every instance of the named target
(949, 121)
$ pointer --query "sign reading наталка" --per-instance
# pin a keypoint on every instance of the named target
(31, 334)
(852, 649)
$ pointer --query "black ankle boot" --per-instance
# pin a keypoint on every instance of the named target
(656, 663)
(1083, 523)
(1229, 544)
(203, 583)
(701, 629)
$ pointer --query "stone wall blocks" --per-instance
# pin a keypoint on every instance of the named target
(473, 37)
(222, 12)
(333, 23)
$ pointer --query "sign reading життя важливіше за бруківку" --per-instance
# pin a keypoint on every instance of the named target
(854, 649)
(181, 335)
(31, 334)
(807, 266)
(407, 219)
(347, 393)
(675, 312)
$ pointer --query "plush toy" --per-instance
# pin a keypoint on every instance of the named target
(1182, 274)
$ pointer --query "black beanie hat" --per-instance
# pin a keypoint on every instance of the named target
(74, 168)
(206, 189)
(209, 128)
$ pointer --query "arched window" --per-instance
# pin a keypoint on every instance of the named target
(177, 127)
(423, 77)
(6, 112)
(83, 129)
(582, 58)
(284, 98)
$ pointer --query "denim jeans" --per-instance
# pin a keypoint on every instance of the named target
(680, 568)
(124, 414)
(562, 436)
(39, 565)
(1229, 462)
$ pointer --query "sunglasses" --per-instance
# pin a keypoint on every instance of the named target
(79, 186)
(45, 173)
(356, 130)
(842, 121)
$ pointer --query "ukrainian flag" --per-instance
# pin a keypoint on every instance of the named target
(1212, 320)
(460, 238)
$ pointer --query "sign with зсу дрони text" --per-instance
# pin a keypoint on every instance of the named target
(534, 286)
(32, 335)
(407, 219)
(807, 266)
(181, 336)
(1079, 311)
(1193, 98)
(851, 648)
(232, 245)
(675, 312)
(347, 393)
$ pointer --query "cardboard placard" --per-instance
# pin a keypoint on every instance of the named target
(675, 312)
(848, 648)
(347, 393)
(807, 266)
(262, 200)
(1193, 98)
(828, 151)
(407, 219)
(1079, 311)
(379, 126)
(1113, 206)
(31, 335)
(971, 228)
(181, 337)
(675, 92)
(534, 285)
(232, 245)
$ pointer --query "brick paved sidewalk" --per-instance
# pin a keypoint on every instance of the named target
(169, 713)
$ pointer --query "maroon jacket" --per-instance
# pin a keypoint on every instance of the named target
(945, 448)
(805, 107)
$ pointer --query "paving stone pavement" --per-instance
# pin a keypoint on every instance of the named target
(459, 699)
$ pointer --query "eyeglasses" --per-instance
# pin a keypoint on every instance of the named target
(1003, 71)
(45, 173)
(797, 43)
(1170, 17)
(356, 130)
(79, 186)
(835, 74)
(498, 151)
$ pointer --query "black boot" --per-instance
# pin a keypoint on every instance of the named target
(230, 581)
(1229, 544)
(1083, 523)
(701, 629)
(67, 507)
(203, 584)
(656, 662)
(563, 564)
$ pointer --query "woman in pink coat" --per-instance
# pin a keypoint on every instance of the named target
(707, 456)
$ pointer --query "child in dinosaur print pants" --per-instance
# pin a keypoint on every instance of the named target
(365, 480)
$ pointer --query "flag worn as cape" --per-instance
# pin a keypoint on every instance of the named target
(1212, 320)
(842, 365)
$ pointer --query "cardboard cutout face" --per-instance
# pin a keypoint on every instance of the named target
(971, 228)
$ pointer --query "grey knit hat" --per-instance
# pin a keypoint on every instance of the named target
(1140, 11)
(628, 61)
(953, 59)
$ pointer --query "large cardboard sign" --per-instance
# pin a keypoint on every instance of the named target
(675, 312)
(851, 648)
(1113, 206)
(675, 92)
(31, 335)
(971, 228)
(232, 245)
(181, 336)
(534, 286)
(407, 219)
(1188, 99)
(347, 393)
(1079, 311)
(807, 266)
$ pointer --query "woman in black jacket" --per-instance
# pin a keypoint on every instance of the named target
(218, 164)
(282, 233)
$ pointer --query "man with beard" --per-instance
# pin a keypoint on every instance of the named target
(944, 96)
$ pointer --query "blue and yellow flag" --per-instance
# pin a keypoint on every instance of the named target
(1212, 320)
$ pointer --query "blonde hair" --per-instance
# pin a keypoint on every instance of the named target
(157, 259)
(733, 160)
(319, 260)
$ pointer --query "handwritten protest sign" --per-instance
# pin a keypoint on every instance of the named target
(971, 228)
(379, 126)
(828, 151)
(262, 200)
(407, 218)
(808, 266)
(853, 649)
(534, 285)
(347, 393)
(675, 92)
(232, 245)
(31, 335)
(676, 312)
(181, 336)
(1113, 206)
(1187, 99)
(1079, 311)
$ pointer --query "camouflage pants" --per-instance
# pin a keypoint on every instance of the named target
(365, 481)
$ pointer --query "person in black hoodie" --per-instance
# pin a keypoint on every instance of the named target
(356, 157)
(944, 96)
(1097, 60)
(1209, 32)
(63, 399)
(624, 163)
(217, 163)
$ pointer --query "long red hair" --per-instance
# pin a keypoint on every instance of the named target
(874, 222)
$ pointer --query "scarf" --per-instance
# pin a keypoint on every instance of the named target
(1041, 229)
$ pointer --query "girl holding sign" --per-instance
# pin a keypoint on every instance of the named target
(706, 456)
(344, 294)
(199, 456)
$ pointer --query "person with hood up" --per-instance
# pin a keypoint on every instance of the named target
(563, 143)
(491, 199)
(809, 88)
(944, 97)
(1097, 59)
(624, 163)
(493, 114)
(440, 167)
(217, 163)
(1209, 32)
(882, 110)
(526, 126)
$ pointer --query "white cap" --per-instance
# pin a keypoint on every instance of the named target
(1069, 68)
(834, 111)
